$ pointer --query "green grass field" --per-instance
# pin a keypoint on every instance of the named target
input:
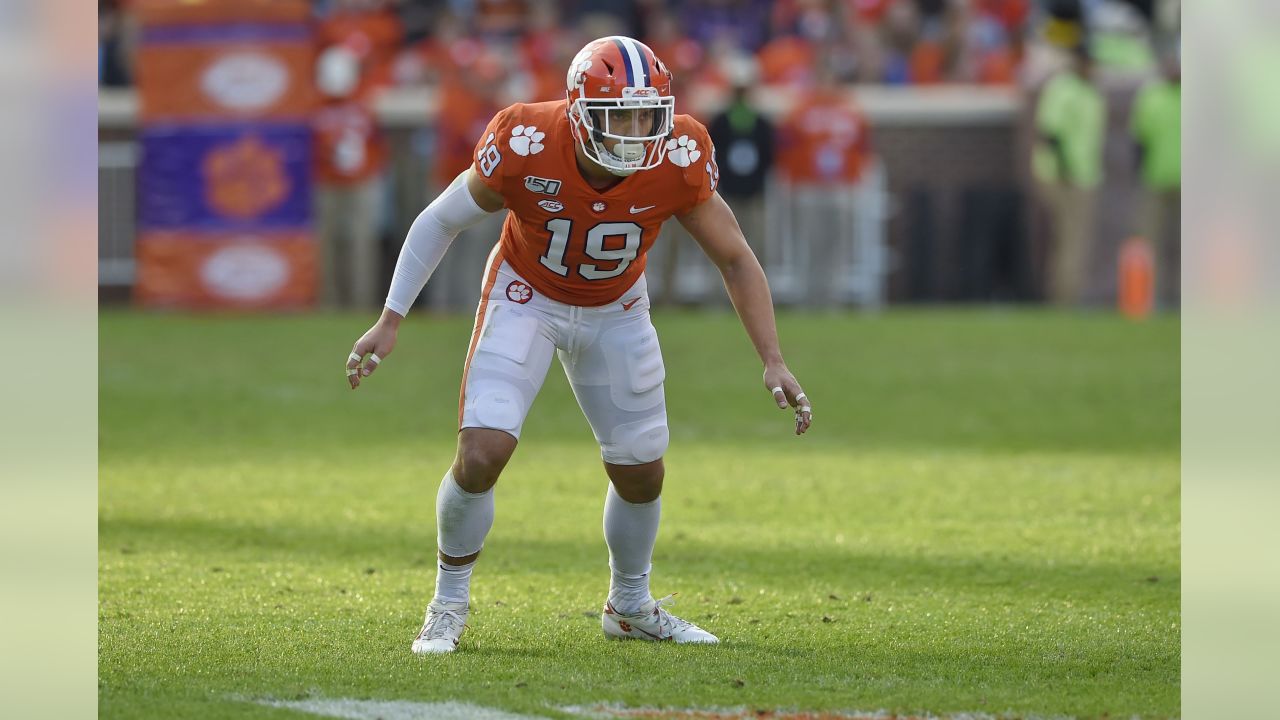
(984, 519)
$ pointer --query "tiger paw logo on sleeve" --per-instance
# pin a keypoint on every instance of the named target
(683, 151)
(526, 140)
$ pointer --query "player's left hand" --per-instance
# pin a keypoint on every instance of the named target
(788, 393)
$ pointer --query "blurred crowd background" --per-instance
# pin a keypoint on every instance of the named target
(875, 151)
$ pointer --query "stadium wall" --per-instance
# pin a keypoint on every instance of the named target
(959, 222)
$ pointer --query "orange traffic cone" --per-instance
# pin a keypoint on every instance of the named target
(1137, 278)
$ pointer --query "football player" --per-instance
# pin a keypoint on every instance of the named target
(588, 182)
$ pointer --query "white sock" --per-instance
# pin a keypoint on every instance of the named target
(453, 583)
(630, 530)
(463, 519)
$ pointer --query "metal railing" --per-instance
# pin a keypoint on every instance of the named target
(117, 212)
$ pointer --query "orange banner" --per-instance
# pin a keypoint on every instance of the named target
(217, 11)
(263, 77)
(248, 271)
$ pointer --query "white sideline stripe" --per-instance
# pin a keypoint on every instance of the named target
(351, 709)
(395, 709)
(614, 712)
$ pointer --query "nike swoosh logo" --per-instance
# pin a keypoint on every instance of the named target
(655, 637)
(635, 209)
(627, 305)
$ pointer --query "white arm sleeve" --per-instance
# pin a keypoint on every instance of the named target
(431, 234)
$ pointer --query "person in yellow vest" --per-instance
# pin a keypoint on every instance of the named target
(1070, 122)
(1156, 125)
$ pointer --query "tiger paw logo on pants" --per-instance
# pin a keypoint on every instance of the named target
(519, 292)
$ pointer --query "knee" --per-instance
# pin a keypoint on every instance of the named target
(637, 483)
(478, 465)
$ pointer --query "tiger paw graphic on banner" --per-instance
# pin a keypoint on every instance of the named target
(225, 177)
(226, 93)
(245, 178)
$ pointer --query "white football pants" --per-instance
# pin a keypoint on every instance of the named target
(610, 355)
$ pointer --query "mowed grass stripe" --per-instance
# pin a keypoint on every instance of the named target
(984, 519)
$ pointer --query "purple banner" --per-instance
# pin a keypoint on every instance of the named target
(225, 177)
(224, 33)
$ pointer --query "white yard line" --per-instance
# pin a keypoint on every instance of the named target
(614, 712)
(351, 709)
(395, 709)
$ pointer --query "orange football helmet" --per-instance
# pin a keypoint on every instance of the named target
(620, 104)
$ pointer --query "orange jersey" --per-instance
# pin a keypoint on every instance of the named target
(824, 139)
(573, 243)
(347, 145)
(374, 36)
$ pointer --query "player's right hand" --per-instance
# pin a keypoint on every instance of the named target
(370, 350)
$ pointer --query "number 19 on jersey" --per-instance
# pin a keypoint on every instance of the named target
(562, 228)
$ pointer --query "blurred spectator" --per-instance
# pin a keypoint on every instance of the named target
(995, 40)
(879, 41)
(743, 22)
(545, 50)
(803, 29)
(680, 53)
(823, 148)
(469, 98)
(626, 17)
(499, 18)
(824, 139)
(1070, 120)
(370, 29)
(1120, 37)
(936, 56)
(744, 142)
(434, 60)
(349, 157)
(1157, 131)
(713, 79)
(357, 41)
(788, 60)
(744, 146)
(1049, 49)
(116, 35)
(896, 31)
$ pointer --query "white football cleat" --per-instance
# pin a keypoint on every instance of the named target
(442, 629)
(653, 622)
